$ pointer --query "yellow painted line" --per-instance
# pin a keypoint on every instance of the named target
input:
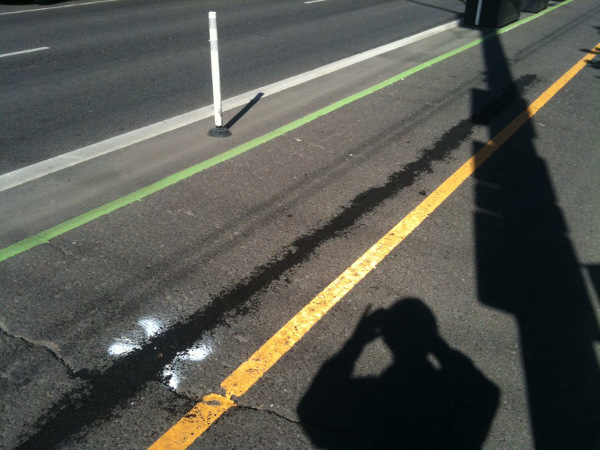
(194, 423)
(205, 413)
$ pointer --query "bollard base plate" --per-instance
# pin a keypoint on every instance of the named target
(219, 132)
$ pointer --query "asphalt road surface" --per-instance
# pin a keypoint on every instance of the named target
(117, 66)
(401, 254)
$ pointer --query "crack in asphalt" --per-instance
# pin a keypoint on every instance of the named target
(61, 249)
(46, 346)
(104, 391)
(269, 411)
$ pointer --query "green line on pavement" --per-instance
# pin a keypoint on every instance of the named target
(45, 236)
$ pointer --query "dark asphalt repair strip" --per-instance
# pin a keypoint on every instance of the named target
(112, 388)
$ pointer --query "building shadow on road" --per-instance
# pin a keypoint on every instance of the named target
(432, 396)
(527, 267)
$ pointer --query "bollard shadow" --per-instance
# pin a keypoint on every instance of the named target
(527, 266)
(243, 111)
(432, 396)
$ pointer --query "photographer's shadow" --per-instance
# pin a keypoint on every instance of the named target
(432, 396)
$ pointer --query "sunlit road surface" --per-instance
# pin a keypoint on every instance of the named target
(112, 67)
(354, 280)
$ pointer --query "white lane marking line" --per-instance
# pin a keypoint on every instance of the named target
(31, 50)
(314, 1)
(43, 168)
(55, 7)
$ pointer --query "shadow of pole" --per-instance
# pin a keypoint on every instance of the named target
(526, 266)
(243, 111)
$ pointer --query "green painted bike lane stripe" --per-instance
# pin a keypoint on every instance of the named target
(45, 236)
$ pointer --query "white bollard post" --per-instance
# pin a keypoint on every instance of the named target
(219, 130)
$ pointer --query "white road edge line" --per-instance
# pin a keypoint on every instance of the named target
(31, 50)
(55, 7)
(314, 1)
(43, 168)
